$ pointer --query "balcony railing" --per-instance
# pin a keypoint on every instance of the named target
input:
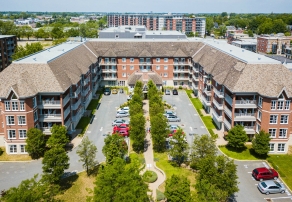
(195, 87)
(228, 112)
(249, 129)
(76, 105)
(77, 117)
(181, 78)
(108, 63)
(145, 63)
(195, 78)
(85, 82)
(227, 124)
(207, 92)
(46, 130)
(219, 118)
(182, 63)
(66, 100)
(66, 112)
(85, 92)
(67, 124)
(50, 117)
(94, 79)
(218, 93)
(228, 99)
(196, 70)
(108, 78)
(244, 117)
(49, 104)
(181, 70)
(219, 106)
(206, 102)
(109, 70)
(245, 104)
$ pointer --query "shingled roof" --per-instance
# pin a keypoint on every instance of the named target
(144, 77)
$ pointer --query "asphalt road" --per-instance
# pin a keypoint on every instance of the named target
(12, 173)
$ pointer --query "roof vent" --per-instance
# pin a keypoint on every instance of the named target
(34, 59)
(259, 58)
(230, 50)
(242, 50)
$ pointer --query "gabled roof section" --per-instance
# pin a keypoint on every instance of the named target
(110, 53)
(144, 53)
(179, 53)
(13, 90)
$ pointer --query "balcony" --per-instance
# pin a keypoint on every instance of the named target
(68, 123)
(85, 92)
(216, 116)
(49, 104)
(228, 99)
(50, 118)
(228, 112)
(86, 81)
(181, 70)
(206, 102)
(145, 63)
(66, 100)
(244, 117)
(196, 70)
(108, 63)
(182, 63)
(109, 70)
(195, 78)
(66, 112)
(195, 87)
(207, 92)
(245, 104)
(180, 78)
(94, 79)
(209, 83)
(76, 105)
(77, 117)
(227, 124)
(110, 78)
(249, 129)
(218, 93)
(46, 130)
(219, 106)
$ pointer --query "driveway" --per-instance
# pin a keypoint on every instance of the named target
(12, 173)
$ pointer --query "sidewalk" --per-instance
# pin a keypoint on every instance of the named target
(149, 157)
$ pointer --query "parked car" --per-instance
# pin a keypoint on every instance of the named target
(264, 173)
(114, 91)
(121, 90)
(126, 109)
(117, 128)
(122, 114)
(124, 133)
(271, 187)
(129, 97)
(107, 91)
(172, 133)
(173, 118)
(169, 112)
(173, 127)
(174, 92)
(167, 92)
(118, 122)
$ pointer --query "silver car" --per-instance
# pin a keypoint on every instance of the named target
(118, 122)
(271, 186)
(169, 112)
(172, 118)
(173, 127)
(122, 114)
(167, 92)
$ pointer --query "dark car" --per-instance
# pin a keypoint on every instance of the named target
(264, 173)
(107, 91)
(174, 92)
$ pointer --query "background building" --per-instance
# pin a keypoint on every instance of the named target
(272, 44)
(8, 44)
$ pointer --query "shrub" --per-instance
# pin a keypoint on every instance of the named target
(1, 151)
(159, 195)
(180, 87)
(149, 176)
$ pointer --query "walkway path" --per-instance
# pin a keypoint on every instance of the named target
(149, 157)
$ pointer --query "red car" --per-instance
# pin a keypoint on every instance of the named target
(122, 132)
(264, 173)
(172, 133)
(121, 127)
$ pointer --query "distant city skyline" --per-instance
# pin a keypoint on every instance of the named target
(161, 6)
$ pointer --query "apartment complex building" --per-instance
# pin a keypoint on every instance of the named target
(177, 22)
(272, 44)
(56, 85)
(7, 47)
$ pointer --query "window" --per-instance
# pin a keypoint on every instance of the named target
(35, 116)
(260, 104)
(158, 67)
(14, 106)
(141, 60)
(281, 147)
(157, 59)
(23, 148)
(272, 147)
(11, 134)
(283, 133)
(280, 105)
(273, 119)
(273, 104)
(175, 83)
(131, 59)
(124, 67)
(10, 120)
(124, 75)
(131, 67)
(258, 128)
(165, 67)
(12, 148)
(123, 59)
(34, 102)
(165, 75)
(259, 115)
(106, 60)
(21, 105)
(22, 134)
(7, 105)
(272, 132)
(165, 59)
(284, 119)
(21, 120)
(287, 105)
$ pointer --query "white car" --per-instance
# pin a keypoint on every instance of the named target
(126, 109)
(173, 127)
(118, 122)
(122, 114)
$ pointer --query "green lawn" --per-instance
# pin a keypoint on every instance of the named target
(83, 124)
(246, 154)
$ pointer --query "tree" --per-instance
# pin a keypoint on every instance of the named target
(59, 137)
(87, 152)
(179, 147)
(260, 143)
(31, 190)
(177, 189)
(35, 143)
(191, 34)
(27, 31)
(217, 179)
(118, 182)
(159, 132)
(237, 137)
(115, 146)
(250, 34)
(55, 161)
(137, 131)
(57, 33)
(40, 33)
(203, 146)
(28, 49)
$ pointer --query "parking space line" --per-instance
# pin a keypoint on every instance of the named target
(101, 129)
(279, 198)
(202, 126)
(191, 128)
(266, 165)
(249, 172)
(88, 131)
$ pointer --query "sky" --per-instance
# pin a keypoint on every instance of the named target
(146, 6)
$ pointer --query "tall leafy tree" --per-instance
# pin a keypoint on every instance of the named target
(179, 147)
(118, 182)
(115, 146)
(137, 131)
(203, 146)
(260, 143)
(177, 189)
(159, 132)
(35, 143)
(57, 33)
(237, 137)
(55, 161)
(87, 153)
(59, 137)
